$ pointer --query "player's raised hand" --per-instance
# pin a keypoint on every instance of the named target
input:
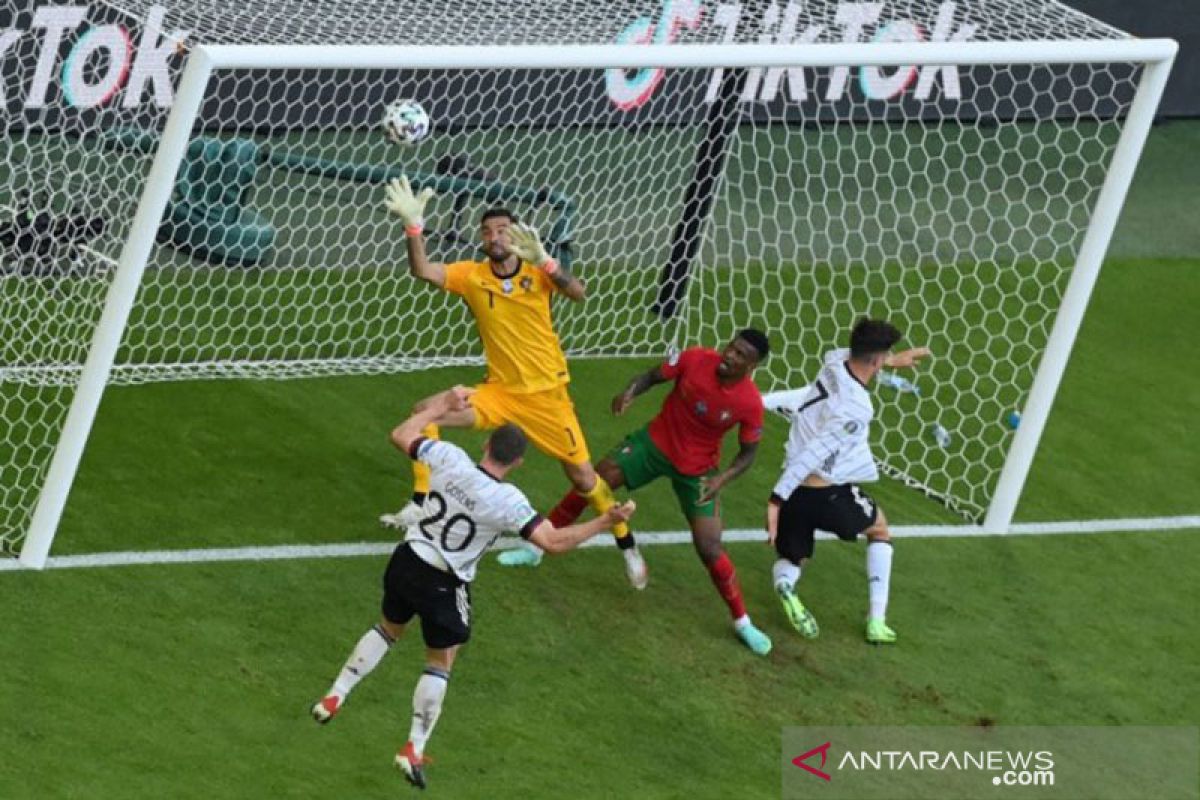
(621, 403)
(524, 242)
(407, 206)
(620, 512)
(908, 358)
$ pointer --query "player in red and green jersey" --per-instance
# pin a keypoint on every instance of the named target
(713, 392)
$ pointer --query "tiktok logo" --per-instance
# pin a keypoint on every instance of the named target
(83, 86)
(852, 21)
(628, 92)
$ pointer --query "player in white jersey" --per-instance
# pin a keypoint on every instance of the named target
(828, 454)
(469, 505)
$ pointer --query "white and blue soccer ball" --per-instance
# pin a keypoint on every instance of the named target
(406, 122)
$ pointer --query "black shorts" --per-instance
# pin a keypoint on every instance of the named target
(412, 586)
(844, 509)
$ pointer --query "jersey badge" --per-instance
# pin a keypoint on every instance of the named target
(527, 284)
(507, 286)
(701, 408)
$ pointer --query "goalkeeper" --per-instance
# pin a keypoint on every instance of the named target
(509, 294)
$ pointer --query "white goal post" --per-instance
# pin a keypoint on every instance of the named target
(204, 61)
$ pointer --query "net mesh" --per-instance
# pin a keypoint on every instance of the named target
(950, 200)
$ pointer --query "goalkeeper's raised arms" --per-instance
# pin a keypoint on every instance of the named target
(409, 207)
(525, 243)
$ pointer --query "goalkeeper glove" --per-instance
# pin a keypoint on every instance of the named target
(408, 207)
(525, 243)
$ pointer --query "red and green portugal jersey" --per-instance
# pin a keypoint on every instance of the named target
(699, 410)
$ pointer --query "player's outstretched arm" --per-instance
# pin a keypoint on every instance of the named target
(785, 401)
(410, 208)
(907, 358)
(407, 432)
(560, 540)
(527, 245)
(639, 385)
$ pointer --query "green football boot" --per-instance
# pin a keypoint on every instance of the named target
(879, 633)
(521, 556)
(800, 617)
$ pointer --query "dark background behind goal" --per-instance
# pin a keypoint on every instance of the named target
(1176, 19)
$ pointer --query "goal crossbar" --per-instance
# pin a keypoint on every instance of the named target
(1156, 54)
(683, 56)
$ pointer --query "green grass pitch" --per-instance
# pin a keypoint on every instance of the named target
(194, 680)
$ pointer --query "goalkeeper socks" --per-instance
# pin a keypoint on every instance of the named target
(724, 577)
(421, 477)
(420, 470)
(369, 651)
(600, 497)
(785, 574)
(427, 706)
(879, 575)
(568, 509)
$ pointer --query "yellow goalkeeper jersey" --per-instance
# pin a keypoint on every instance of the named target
(513, 316)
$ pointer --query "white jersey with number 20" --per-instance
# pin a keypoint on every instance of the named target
(465, 511)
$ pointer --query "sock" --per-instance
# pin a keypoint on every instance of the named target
(369, 651)
(724, 577)
(421, 471)
(601, 499)
(427, 706)
(568, 509)
(879, 574)
(786, 574)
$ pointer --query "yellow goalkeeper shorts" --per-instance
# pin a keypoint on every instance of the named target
(548, 419)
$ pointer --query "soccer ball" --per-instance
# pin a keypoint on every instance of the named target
(406, 122)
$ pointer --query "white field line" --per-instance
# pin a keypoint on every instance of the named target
(662, 537)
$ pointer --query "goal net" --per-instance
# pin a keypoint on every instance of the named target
(795, 194)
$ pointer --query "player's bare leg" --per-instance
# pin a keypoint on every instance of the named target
(411, 513)
(367, 654)
(879, 574)
(427, 707)
(706, 538)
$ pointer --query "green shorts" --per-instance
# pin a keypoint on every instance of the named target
(641, 462)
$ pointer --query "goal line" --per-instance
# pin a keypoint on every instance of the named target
(289, 552)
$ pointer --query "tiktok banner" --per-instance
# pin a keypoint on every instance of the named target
(62, 65)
